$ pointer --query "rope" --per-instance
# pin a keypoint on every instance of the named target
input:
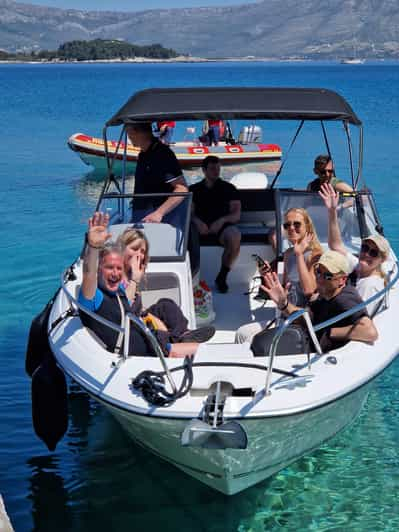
(151, 384)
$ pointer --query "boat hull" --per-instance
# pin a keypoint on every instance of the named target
(92, 152)
(273, 442)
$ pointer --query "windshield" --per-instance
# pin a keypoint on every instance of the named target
(313, 204)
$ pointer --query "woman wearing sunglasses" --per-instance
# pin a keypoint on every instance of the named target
(300, 258)
(374, 251)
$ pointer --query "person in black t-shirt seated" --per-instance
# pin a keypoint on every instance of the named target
(157, 171)
(216, 208)
(334, 297)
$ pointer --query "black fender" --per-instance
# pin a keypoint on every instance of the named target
(38, 344)
(49, 402)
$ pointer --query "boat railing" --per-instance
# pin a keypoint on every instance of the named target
(130, 319)
(141, 327)
(314, 328)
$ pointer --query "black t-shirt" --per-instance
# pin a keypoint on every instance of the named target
(213, 203)
(324, 309)
(156, 169)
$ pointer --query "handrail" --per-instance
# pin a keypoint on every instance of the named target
(314, 328)
(276, 338)
(361, 305)
(273, 347)
(130, 318)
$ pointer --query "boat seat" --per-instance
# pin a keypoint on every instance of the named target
(257, 217)
(158, 285)
(165, 239)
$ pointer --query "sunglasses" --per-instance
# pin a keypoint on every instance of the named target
(372, 252)
(287, 225)
(325, 172)
(327, 276)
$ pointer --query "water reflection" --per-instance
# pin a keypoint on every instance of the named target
(51, 509)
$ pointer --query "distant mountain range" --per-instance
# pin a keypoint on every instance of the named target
(273, 29)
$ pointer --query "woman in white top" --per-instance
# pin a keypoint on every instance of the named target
(299, 261)
(374, 250)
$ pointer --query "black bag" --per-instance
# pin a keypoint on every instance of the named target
(295, 340)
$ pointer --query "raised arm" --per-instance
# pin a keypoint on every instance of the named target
(137, 270)
(97, 235)
(305, 268)
(331, 200)
(277, 293)
(178, 185)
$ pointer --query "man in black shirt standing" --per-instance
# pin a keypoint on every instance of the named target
(157, 171)
(216, 208)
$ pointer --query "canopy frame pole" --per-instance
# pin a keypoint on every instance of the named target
(286, 156)
(323, 127)
(360, 165)
(124, 170)
(350, 149)
(110, 178)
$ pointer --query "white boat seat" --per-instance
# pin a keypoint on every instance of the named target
(160, 285)
(250, 180)
(165, 239)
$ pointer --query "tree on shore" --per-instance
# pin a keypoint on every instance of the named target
(95, 50)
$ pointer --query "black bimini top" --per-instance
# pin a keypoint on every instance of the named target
(201, 103)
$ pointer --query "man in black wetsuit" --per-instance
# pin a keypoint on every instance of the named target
(157, 172)
(216, 208)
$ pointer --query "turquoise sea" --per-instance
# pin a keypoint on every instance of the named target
(98, 479)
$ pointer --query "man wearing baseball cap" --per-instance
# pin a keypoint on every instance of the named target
(334, 297)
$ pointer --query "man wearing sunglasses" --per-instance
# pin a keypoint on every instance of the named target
(334, 297)
(324, 169)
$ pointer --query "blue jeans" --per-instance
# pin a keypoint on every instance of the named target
(214, 135)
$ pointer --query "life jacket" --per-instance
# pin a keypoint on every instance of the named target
(110, 310)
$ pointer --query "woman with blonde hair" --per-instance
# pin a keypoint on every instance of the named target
(165, 316)
(369, 277)
(300, 258)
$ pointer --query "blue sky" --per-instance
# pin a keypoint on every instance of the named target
(134, 5)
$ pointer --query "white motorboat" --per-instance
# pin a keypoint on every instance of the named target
(243, 417)
(353, 61)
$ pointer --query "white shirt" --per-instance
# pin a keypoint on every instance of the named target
(366, 286)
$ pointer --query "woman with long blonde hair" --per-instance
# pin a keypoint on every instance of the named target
(165, 316)
(300, 258)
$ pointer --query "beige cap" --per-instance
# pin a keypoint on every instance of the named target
(380, 242)
(335, 262)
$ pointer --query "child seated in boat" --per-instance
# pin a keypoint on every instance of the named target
(102, 292)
